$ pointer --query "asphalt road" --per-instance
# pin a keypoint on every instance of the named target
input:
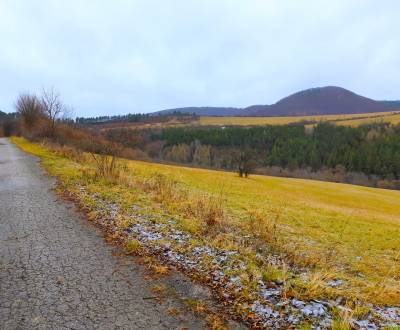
(56, 271)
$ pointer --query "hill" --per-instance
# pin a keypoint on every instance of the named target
(394, 104)
(203, 111)
(329, 100)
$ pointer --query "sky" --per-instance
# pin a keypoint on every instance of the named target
(129, 56)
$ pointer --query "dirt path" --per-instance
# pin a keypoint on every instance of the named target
(56, 272)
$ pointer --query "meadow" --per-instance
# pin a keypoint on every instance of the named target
(349, 120)
(351, 230)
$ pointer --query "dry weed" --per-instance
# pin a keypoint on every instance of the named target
(262, 226)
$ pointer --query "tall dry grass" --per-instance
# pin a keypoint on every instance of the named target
(106, 166)
(262, 226)
(206, 208)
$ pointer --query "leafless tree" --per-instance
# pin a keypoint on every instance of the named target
(52, 105)
(30, 108)
(246, 162)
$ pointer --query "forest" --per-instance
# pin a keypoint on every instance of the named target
(372, 151)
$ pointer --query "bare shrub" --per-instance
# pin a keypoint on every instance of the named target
(106, 166)
(131, 153)
(52, 106)
(30, 109)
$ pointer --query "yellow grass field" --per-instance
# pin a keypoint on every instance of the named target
(349, 120)
(391, 118)
(361, 224)
(350, 231)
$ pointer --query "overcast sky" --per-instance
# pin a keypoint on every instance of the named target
(114, 57)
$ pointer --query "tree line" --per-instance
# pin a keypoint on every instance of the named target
(371, 149)
(133, 118)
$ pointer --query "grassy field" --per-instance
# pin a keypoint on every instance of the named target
(390, 118)
(336, 230)
(347, 120)
(351, 120)
(360, 224)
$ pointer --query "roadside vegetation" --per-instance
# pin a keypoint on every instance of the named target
(306, 239)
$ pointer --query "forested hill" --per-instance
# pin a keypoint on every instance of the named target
(204, 111)
(313, 101)
(321, 101)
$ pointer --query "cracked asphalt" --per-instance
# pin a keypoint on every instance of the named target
(56, 271)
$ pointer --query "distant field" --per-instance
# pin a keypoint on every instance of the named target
(352, 119)
(390, 118)
(347, 120)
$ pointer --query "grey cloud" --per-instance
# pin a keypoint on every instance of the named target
(121, 56)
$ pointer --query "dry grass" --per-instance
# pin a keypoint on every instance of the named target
(208, 208)
(173, 311)
(196, 306)
(310, 286)
(393, 118)
(106, 166)
(70, 153)
(160, 270)
(159, 289)
(133, 247)
(163, 189)
(343, 229)
(204, 207)
(263, 227)
(216, 322)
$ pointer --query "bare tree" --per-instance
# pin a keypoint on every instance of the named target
(246, 162)
(52, 105)
(30, 108)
